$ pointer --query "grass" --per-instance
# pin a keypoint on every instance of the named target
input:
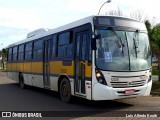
(155, 88)
(155, 72)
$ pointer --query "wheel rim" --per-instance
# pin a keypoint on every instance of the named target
(65, 89)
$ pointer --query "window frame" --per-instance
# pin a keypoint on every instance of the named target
(64, 45)
(36, 49)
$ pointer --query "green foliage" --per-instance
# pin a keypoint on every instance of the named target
(155, 88)
(3, 56)
(148, 26)
(3, 53)
(154, 36)
(155, 72)
(156, 85)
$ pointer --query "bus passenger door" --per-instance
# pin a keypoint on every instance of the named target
(46, 70)
(80, 63)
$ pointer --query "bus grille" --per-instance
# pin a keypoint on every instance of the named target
(128, 84)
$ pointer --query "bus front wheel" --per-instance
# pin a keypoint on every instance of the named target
(65, 90)
(21, 81)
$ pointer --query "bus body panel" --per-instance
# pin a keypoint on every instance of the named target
(9, 70)
(54, 83)
(27, 79)
(37, 67)
(37, 80)
(148, 90)
(15, 76)
(108, 92)
(102, 92)
(33, 71)
(20, 66)
(58, 67)
(9, 75)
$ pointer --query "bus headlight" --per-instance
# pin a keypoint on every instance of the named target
(150, 75)
(100, 78)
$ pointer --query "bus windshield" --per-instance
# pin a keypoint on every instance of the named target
(130, 51)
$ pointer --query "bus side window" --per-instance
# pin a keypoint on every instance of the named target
(15, 53)
(69, 51)
(21, 53)
(89, 47)
(78, 38)
(54, 46)
(84, 47)
(10, 55)
(65, 47)
(64, 38)
(37, 50)
(86, 50)
(28, 51)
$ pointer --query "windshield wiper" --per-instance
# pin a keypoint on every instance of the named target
(135, 46)
(136, 43)
(119, 41)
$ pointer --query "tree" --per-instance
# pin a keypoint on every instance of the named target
(155, 41)
(154, 35)
(138, 15)
(3, 56)
(117, 12)
(148, 26)
(149, 29)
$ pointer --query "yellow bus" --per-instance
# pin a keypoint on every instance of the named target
(96, 58)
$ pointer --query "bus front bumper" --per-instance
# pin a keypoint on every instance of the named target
(103, 92)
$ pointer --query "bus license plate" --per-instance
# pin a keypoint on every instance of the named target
(129, 91)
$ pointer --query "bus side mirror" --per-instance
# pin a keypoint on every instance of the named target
(93, 42)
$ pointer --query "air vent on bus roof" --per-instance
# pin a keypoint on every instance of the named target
(37, 32)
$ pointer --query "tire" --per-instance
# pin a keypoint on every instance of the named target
(21, 81)
(65, 90)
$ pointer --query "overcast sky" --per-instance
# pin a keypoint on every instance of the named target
(18, 17)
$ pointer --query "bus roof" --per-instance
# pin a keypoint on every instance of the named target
(46, 32)
(58, 29)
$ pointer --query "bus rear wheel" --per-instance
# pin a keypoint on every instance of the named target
(21, 81)
(65, 90)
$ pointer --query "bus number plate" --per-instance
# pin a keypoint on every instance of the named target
(129, 91)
